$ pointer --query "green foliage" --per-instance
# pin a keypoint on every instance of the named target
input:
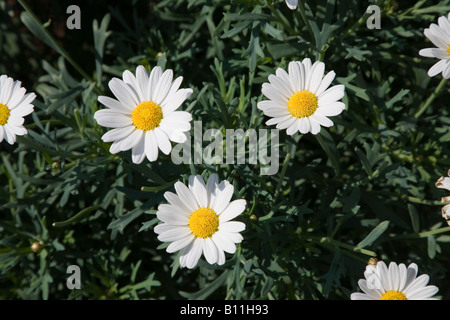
(362, 188)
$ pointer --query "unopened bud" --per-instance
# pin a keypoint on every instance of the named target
(36, 246)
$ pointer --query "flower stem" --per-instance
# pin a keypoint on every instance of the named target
(422, 234)
(280, 181)
(423, 107)
(77, 217)
(327, 241)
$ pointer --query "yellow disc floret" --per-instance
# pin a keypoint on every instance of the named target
(448, 49)
(147, 115)
(204, 222)
(303, 104)
(4, 114)
(393, 295)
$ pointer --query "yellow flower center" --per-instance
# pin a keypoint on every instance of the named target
(393, 295)
(147, 115)
(448, 49)
(4, 114)
(203, 222)
(303, 104)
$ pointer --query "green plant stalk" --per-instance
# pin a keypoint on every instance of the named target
(80, 215)
(423, 107)
(428, 202)
(327, 241)
(79, 122)
(283, 172)
(421, 235)
(324, 48)
(337, 226)
(158, 188)
(255, 201)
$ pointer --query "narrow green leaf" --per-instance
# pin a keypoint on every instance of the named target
(248, 17)
(431, 244)
(100, 36)
(365, 162)
(374, 234)
(148, 224)
(285, 49)
(396, 98)
(126, 219)
(159, 188)
(77, 217)
(35, 27)
(414, 217)
(269, 29)
(240, 26)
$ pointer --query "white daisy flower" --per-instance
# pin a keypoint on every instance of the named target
(439, 35)
(444, 183)
(143, 117)
(197, 220)
(14, 105)
(300, 99)
(292, 4)
(395, 283)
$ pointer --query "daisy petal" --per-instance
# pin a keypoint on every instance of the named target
(123, 93)
(198, 188)
(292, 4)
(163, 86)
(210, 251)
(180, 244)
(138, 152)
(151, 146)
(233, 209)
(437, 68)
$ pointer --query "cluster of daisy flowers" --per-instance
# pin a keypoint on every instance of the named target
(198, 218)
(144, 118)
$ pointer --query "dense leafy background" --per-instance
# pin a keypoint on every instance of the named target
(363, 187)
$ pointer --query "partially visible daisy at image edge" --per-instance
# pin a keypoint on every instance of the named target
(197, 220)
(300, 100)
(396, 283)
(292, 4)
(143, 115)
(444, 183)
(439, 35)
(14, 106)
